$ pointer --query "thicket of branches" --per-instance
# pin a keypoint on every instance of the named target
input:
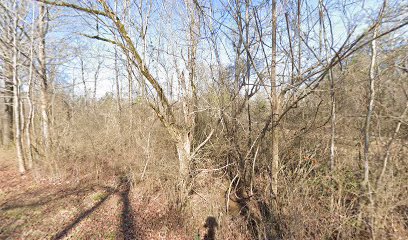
(284, 119)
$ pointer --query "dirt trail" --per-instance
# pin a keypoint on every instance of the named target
(31, 209)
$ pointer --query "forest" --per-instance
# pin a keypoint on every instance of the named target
(204, 119)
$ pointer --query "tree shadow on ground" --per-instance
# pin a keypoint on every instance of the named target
(47, 195)
(67, 228)
(42, 199)
(127, 220)
(211, 225)
(36, 206)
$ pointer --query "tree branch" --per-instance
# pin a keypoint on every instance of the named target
(74, 6)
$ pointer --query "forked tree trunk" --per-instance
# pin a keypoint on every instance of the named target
(183, 146)
(185, 135)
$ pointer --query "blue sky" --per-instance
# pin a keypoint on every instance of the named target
(167, 33)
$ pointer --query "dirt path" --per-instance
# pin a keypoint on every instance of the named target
(32, 209)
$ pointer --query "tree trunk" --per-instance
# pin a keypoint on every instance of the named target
(16, 99)
(7, 121)
(183, 146)
(118, 88)
(96, 77)
(370, 108)
(29, 98)
(275, 157)
(332, 93)
(84, 82)
(44, 81)
(366, 186)
(248, 73)
(333, 121)
(275, 106)
(127, 13)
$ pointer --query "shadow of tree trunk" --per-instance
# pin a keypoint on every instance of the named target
(211, 225)
(82, 216)
(127, 220)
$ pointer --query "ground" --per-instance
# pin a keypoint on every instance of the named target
(35, 208)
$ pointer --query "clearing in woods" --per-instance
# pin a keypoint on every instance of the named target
(34, 208)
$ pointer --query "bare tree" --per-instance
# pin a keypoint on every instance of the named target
(44, 93)
(30, 117)
(96, 76)
(16, 96)
(181, 131)
(275, 101)
(7, 88)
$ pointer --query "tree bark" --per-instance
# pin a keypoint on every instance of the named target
(30, 117)
(84, 82)
(7, 121)
(16, 99)
(44, 81)
(323, 31)
(183, 146)
(370, 108)
(275, 106)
